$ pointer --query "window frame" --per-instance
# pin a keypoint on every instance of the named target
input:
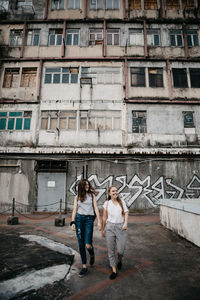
(33, 35)
(155, 79)
(12, 72)
(97, 6)
(113, 32)
(62, 73)
(151, 34)
(96, 40)
(60, 5)
(72, 34)
(75, 6)
(134, 31)
(138, 74)
(191, 37)
(193, 76)
(181, 77)
(17, 38)
(56, 36)
(142, 122)
(188, 125)
(12, 119)
(176, 33)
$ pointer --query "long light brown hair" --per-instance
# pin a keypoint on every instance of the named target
(82, 193)
(118, 198)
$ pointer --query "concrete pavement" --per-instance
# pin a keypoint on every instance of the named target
(158, 265)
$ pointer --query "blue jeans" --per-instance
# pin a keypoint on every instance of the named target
(84, 232)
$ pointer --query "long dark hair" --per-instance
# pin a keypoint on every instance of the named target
(82, 193)
(118, 198)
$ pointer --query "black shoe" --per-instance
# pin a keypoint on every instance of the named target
(92, 260)
(113, 275)
(119, 265)
(83, 272)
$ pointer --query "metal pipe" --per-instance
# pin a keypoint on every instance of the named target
(126, 78)
(124, 9)
(185, 41)
(145, 38)
(63, 39)
(104, 38)
(169, 80)
(39, 79)
(85, 9)
(23, 40)
(46, 9)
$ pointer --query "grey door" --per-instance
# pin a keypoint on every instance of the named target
(51, 188)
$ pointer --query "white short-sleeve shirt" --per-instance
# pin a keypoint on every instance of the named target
(115, 211)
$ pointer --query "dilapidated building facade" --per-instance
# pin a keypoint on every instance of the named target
(105, 89)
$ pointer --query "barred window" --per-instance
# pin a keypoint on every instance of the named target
(11, 78)
(15, 120)
(139, 122)
(155, 77)
(138, 77)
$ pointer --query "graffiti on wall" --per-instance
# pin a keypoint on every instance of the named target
(153, 192)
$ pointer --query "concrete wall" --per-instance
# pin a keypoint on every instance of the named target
(182, 217)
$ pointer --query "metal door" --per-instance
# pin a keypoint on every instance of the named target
(51, 188)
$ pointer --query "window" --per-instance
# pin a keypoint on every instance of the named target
(135, 4)
(195, 77)
(139, 122)
(57, 4)
(4, 5)
(96, 4)
(112, 4)
(74, 4)
(136, 37)
(112, 36)
(172, 4)
(11, 78)
(64, 120)
(95, 36)
(16, 37)
(192, 38)
(188, 4)
(176, 38)
(188, 119)
(33, 37)
(138, 77)
(153, 37)
(100, 120)
(61, 75)
(29, 77)
(155, 77)
(150, 4)
(72, 37)
(180, 78)
(15, 120)
(55, 37)
(101, 75)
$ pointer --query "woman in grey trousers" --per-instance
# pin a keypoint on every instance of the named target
(114, 224)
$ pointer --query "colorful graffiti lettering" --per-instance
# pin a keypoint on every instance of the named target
(162, 188)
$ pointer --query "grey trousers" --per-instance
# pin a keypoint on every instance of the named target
(115, 239)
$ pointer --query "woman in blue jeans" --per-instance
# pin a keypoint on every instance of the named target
(83, 215)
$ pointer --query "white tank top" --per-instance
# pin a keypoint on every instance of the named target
(86, 207)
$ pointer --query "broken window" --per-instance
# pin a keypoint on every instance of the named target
(55, 37)
(112, 36)
(96, 4)
(102, 75)
(11, 78)
(72, 37)
(172, 4)
(139, 122)
(176, 38)
(155, 77)
(135, 4)
(112, 4)
(188, 4)
(16, 37)
(150, 4)
(188, 119)
(192, 38)
(57, 4)
(153, 37)
(195, 77)
(29, 77)
(136, 37)
(61, 75)
(100, 120)
(15, 120)
(33, 36)
(95, 36)
(180, 78)
(74, 4)
(138, 76)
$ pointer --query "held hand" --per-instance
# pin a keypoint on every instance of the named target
(73, 227)
(99, 226)
(124, 226)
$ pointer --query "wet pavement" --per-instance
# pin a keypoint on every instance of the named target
(158, 264)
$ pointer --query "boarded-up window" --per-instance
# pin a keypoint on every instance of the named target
(172, 4)
(135, 4)
(155, 77)
(138, 76)
(29, 77)
(195, 77)
(139, 122)
(95, 36)
(136, 37)
(180, 78)
(11, 78)
(150, 4)
(188, 119)
(188, 4)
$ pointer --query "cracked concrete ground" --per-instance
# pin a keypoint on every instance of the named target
(158, 265)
